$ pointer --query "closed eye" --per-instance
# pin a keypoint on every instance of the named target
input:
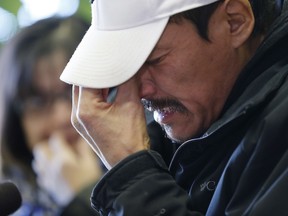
(154, 61)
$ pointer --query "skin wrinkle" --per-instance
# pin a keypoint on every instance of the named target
(220, 86)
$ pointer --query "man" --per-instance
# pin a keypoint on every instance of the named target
(214, 74)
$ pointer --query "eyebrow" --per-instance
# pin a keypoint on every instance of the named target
(159, 47)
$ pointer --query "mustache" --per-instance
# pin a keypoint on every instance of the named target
(160, 104)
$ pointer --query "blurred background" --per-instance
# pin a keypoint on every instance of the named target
(15, 14)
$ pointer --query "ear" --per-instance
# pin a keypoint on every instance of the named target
(240, 19)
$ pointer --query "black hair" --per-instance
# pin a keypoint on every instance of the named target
(17, 60)
(265, 13)
(199, 17)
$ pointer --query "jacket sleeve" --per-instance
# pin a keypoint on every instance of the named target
(140, 185)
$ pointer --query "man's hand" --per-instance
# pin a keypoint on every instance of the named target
(113, 130)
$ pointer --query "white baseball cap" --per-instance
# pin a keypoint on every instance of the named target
(122, 35)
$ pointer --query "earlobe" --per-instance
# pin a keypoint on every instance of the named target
(241, 21)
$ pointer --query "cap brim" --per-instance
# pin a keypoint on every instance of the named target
(106, 59)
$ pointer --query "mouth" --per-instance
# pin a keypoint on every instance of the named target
(164, 109)
(164, 115)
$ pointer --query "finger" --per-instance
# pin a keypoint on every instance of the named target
(95, 95)
(91, 100)
(42, 152)
(128, 96)
(105, 94)
(76, 120)
(85, 100)
(75, 96)
(42, 156)
(128, 91)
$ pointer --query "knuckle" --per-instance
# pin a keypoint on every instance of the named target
(82, 115)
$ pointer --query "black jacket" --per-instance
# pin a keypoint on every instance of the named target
(238, 167)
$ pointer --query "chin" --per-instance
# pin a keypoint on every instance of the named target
(178, 137)
(175, 137)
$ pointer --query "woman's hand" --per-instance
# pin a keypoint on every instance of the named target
(64, 169)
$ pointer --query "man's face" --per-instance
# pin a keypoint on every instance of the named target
(186, 79)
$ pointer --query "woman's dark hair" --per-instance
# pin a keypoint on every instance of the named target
(16, 67)
(265, 13)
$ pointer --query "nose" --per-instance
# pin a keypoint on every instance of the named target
(147, 83)
(61, 112)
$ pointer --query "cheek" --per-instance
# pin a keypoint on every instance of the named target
(36, 130)
(199, 104)
(171, 79)
(185, 127)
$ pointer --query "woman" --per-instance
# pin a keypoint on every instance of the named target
(41, 152)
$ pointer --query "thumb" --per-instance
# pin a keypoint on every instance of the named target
(128, 91)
